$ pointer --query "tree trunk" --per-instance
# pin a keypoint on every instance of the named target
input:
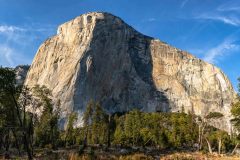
(65, 139)
(85, 143)
(31, 133)
(25, 138)
(219, 145)
(6, 145)
(52, 140)
(109, 131)
(17, 143)
(199, 138)
(148, 141)
(235, 148)
(201, 135)
(26, 143)
(1, 141)
(209, 146)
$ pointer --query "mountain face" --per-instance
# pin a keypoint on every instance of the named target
(97, 56)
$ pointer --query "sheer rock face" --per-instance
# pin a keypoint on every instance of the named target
(97, 56)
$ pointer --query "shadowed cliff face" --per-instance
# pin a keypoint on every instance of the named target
(97, 56)
(117, 69)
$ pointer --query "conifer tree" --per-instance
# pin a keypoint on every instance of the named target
(70, 137)
(46, 130)
(87, 116)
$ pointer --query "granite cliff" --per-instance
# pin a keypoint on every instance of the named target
(97, 56)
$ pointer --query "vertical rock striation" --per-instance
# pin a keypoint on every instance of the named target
(97, 56)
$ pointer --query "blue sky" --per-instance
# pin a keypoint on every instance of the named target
(209, 29)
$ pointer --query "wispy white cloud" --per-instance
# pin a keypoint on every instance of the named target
(231, 20)
(16, 40)
(151, 19)
(229, 6)
(226, 12)
(183, 3)
(220, 51)
(6, 55)
(12, 57)
(10, 29)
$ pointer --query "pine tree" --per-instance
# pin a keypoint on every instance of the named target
(46, 130)
(87, 116)
(70, 137)
(119, 134)
(132, 126)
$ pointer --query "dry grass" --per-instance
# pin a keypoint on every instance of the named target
(136, 157)
(198, 156)
(140, 156)
(110, 157)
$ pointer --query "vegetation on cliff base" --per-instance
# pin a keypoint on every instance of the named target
(236, 120)
(20, 127)
(23, 129)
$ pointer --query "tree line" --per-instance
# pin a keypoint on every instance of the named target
(28, 121)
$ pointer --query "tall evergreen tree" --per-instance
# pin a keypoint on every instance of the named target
(46, 129)
(70, 137)
(132, 126)
(99, 125)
